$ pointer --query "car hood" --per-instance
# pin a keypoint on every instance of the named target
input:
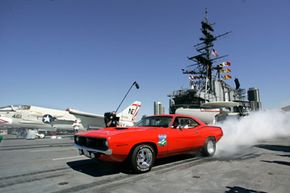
(111, 131)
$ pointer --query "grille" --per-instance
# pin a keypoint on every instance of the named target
(94, 143)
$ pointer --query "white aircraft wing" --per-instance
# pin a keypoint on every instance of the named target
(77, 112)
(88, 120)
(95, 121)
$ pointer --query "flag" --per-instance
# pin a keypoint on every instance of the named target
(227, 63)
(226, 77)
(214, 53)
(226, 70)
(191, 77)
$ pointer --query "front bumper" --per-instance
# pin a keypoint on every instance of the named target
(91, 150)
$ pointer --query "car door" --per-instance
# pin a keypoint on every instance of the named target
(195, 134)
(183, 138)
(180, 139)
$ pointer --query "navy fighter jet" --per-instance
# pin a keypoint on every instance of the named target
(33, 117)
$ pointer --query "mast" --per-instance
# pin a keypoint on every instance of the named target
(202, 77)
(201, 72)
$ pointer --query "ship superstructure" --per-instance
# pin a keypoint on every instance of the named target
(208, 75)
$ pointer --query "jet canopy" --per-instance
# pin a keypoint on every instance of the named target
(15, 107)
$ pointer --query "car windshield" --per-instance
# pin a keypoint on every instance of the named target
(155, 121)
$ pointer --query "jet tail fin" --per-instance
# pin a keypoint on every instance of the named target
(128, 115)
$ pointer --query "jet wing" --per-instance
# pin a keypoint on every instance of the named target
(77, 112)
(28, 122)
(88, 120)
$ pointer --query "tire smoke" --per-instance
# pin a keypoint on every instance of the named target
(249, 130)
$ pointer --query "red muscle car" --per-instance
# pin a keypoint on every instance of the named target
(153, 137)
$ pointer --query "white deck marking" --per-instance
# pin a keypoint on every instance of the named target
(41, 150)
(63, 158)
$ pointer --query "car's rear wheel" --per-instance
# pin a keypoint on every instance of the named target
(209, 147)
(142, 158)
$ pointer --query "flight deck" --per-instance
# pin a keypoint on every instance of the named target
(54, 165)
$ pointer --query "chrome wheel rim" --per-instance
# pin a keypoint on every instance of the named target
(144, 158)
(210, 147)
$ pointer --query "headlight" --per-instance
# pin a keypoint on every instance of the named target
(106, 143)
(76, 139)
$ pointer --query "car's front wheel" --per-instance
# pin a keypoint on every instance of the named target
(142, 158)
(209, 147)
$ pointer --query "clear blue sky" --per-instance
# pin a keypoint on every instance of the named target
(85, 54)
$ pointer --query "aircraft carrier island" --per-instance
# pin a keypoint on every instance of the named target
(209, 91)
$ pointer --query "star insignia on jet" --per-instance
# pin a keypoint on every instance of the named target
(47, 118)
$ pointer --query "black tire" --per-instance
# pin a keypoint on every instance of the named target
(142, 158)
(209, 148)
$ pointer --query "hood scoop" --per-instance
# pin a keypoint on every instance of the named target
(121, 128)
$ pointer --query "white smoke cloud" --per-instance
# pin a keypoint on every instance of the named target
(251, 129)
